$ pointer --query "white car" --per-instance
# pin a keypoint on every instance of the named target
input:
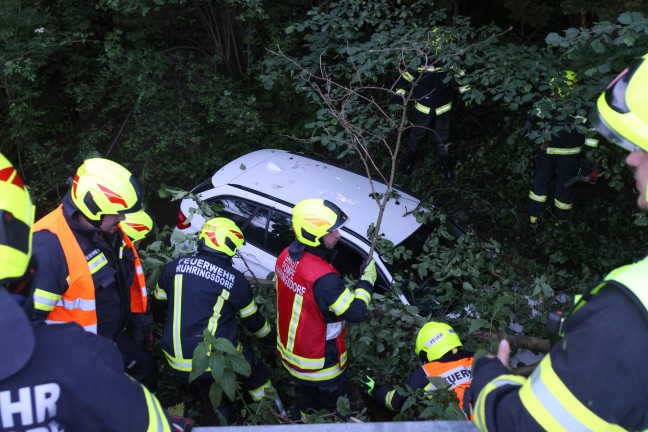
(258, 191)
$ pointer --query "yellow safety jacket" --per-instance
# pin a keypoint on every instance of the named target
(544, 395)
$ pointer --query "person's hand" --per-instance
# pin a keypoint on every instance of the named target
(503, 353)
(484, 371)
(368, 383)
(368, 272)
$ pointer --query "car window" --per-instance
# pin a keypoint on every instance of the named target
(280, 233)
(348, 261)
(255, 231)
(237, 210)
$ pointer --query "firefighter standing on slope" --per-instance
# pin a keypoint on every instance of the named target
(433, 88)
(559, 157)
(595, 378)
(88, 270)
(442, 355)
(205, 292)
(57, 377)
(313, 304)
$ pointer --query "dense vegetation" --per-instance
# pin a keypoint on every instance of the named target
(173, 89)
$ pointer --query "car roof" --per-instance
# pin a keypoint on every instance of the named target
(290, 177)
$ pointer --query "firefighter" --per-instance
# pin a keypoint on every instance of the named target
(313, 305)
(137, 226)
(57, 377)
(88, 270)
(594, 378)
(204, 292)
(559, 157)
(440, 350)
(433, 86)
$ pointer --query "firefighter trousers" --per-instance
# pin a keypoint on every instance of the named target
(423, 123)
(561, 169)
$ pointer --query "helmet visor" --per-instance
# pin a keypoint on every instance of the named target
(610, 134)
(341, 218)
(14, 233)
(613, 117)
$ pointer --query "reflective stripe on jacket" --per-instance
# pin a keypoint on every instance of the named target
(78, 303)
(301, 330)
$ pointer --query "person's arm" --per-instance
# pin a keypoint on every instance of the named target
(351, 305)
(461, 82)
(250, 314)
(160, 291)
(606, 339)
(50, 278)
(389, 397)
(403, 85)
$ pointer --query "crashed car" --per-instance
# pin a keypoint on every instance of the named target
(258, 191)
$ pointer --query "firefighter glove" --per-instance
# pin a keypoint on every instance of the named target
(368, 272)
(368, 383)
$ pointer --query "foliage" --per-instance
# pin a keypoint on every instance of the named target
(173, 89)
(224, 361)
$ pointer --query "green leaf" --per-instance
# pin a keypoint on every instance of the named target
(409, 402)
(597, 46)
(625, 18)
(241, 366)
(217, 365)
(224, 345)
(200, 361)
(177, 410)
(343, 406)
(438, 382)
(215, 394)
(553, 39)
(503, 300)
(228, 384)
(641, 219)
(629, 40)
(476, 324)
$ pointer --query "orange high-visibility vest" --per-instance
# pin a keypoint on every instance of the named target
(458, 374)
(78, 303)
(138, 295)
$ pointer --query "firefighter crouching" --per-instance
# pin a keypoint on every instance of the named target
(441, 352)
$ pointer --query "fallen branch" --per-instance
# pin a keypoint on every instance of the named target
(516, 341)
